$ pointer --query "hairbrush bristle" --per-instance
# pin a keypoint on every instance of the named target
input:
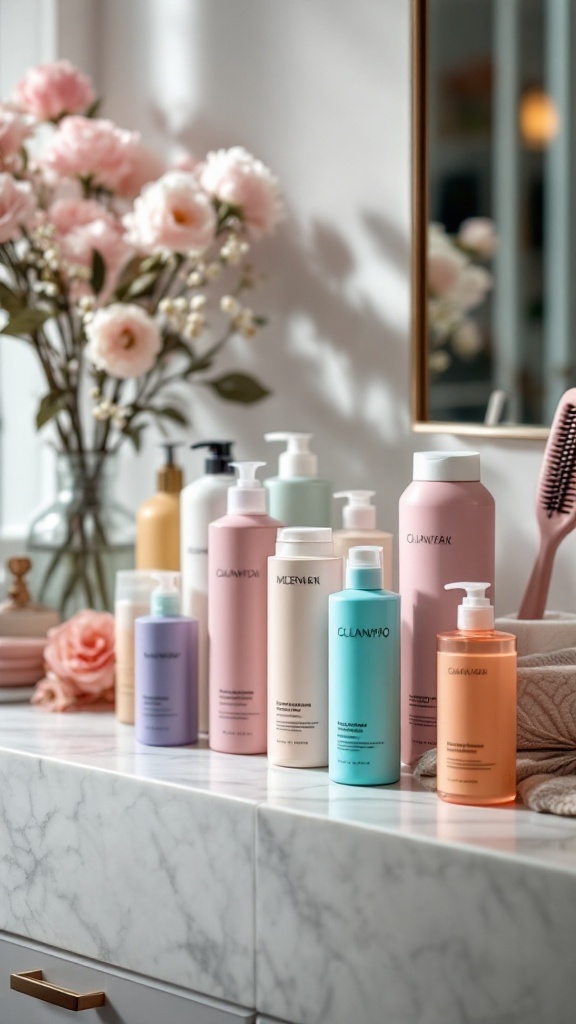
(558, 486)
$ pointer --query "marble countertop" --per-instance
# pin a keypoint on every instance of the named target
(278, 889)
(96, 740)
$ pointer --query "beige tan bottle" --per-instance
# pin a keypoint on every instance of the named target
(359, 522)
(477, 684)
(158, 519)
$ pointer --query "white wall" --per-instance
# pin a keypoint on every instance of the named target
(321, 92)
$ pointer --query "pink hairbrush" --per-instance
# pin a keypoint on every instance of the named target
(555, 503)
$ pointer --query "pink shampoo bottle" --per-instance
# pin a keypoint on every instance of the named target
(446, 532)
(239, 545)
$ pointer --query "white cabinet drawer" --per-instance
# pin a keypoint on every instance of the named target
(129, 998)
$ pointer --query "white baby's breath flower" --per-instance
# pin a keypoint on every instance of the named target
(229, 305)
(198, 302)
(94, 392)
(213, 271)
(73, 366)
(244, 323)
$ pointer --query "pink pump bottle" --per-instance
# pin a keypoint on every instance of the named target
(239, 545)
(446, 532)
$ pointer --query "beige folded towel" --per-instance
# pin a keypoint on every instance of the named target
(546, 734)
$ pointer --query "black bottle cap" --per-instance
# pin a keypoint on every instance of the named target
(220, 457)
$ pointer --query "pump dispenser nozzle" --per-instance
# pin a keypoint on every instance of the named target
(247, 496)
(170, 478)
(165, 599)
(359, 513)
(475, 612)
(364, 568)
(297, 460)
(219, 459)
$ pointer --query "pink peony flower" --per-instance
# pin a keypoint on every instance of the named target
(236, 178)
(123, 340)
(172, 213)
(142, 166)
(13, 131)
(472, 287)
(91, 148)
(478, 235)
(17, 206)
(51, 90)
(79, 659)
(83, 225)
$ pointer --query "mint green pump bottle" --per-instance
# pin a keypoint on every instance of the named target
(298, 496)
(364, 676)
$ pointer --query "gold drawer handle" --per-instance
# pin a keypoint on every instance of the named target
(31, 983)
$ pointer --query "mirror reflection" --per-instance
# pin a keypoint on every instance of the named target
(500, 239)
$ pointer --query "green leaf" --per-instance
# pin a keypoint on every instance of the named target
(135, 435)
(12, 302)
(130, 271)
(173, 343)
(142, 285)
(169, 412)
(238, 387)
(94, 107)
(27, 321)
(52, 403)
(204, 363)
(98, 272)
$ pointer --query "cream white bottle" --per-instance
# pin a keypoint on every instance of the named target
(301, 576)
(201, 502)
(359, 522)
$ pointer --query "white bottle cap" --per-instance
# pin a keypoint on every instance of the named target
(247, 496)
(364, 568)
(308, 541)
(358, 514)
(135, 585)
(165, 598)
(297, 460)
(446, 466)
(475, 612)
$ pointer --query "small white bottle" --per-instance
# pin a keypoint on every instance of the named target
(297, 496)
(359, 522)
(201, 502)
(301, 576)
(132, 600)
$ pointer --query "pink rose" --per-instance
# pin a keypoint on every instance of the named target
(50, 90)
(79, 659)
(123, 340)
(13, 131)
(83, 225)
(17, 206)
(91, 148)
(236, 178)
(172, 213)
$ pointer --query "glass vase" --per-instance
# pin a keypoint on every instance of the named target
(79, 542)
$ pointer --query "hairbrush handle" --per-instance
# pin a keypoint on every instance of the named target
(534, 602)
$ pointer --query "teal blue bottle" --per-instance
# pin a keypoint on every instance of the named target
(364, 676)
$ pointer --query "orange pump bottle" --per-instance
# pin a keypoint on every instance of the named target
(477, 685)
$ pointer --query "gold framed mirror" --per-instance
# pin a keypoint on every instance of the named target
(493, 143)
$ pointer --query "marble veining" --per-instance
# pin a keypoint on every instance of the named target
(389, 929)
(142, 876)
(276, 889)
